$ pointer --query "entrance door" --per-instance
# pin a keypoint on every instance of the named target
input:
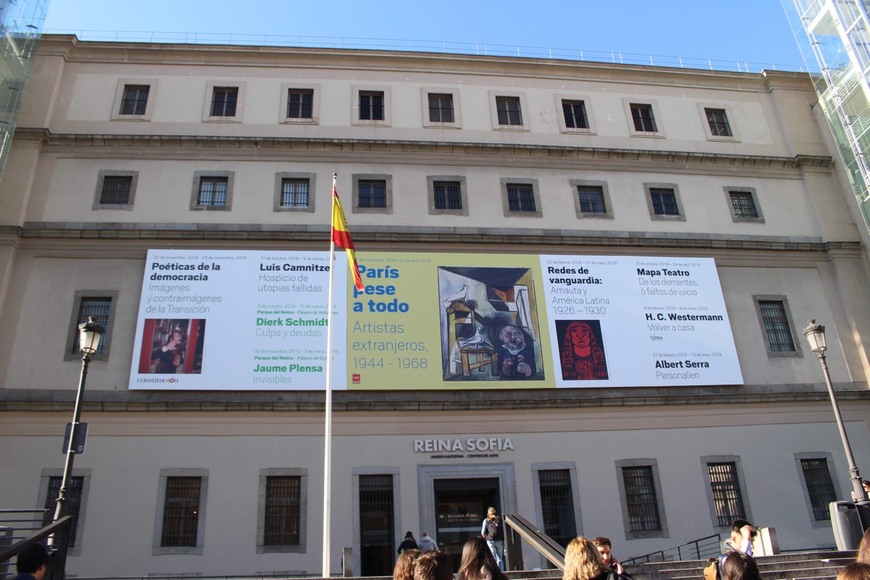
(460, 506)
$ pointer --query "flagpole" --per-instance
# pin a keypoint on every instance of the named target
(327, 432)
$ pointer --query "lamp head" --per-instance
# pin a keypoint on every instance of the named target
(815, 334)
(90, 334)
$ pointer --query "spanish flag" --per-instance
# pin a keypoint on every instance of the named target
(341, 237)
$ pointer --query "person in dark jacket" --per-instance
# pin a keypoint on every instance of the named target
(32, 561)
(409, 543)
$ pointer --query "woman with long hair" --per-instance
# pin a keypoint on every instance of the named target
(404, 569)
(583, 562)
(739, 566)
(478, 563)
(863, 554)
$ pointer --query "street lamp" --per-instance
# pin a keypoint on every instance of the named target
(90, 334)
(815, 334)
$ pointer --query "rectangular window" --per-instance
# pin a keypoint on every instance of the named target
(181, 512)
(725, 487)
(372, 193)
(223, 101)
(73, 503)
(440, 108)
(212, 192)
(521, 197)
(282, 517)
(664, 201)
(371, 105)
(508, 110)
(718, 121)
(820, 486)
(776, 325)
(97, 307)
(448, 194)
(557, 505)
(376, 522)
(294, 192)
(575, 114)
(743, 204)
(116, 189)
(591, 199)
(642, 115)
(300, 103)
(640, 498)
(134, 100)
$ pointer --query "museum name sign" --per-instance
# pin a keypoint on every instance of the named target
(455, 448)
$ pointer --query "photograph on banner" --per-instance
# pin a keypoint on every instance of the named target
(175, 348)
(489, 324)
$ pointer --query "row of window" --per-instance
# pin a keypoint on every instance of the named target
(778, 329)
(643, 510)
(446, 195)
(283, 502)
(371, 106)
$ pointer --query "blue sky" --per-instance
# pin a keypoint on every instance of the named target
(754, 32)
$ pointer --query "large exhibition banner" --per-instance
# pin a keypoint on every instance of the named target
(252, 320)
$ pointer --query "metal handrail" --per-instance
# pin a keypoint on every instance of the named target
(694, 550)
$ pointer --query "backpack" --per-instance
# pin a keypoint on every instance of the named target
(493, 530)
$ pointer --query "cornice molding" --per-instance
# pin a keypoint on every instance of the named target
(71, 49)
(148, 233)
(41, 400)
(411, 151)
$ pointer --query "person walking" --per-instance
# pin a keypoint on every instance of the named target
(492, 533)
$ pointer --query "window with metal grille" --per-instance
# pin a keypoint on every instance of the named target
(726, 492)
(591, 199)
(116, 189)
(557, 504)
(575, 114)
(135, 99)
(371, 105)
(718, 121)
(97, 307)
(640, 498)
(643, 118)
(440, 108)
(743, 204)
(73, 503)
(820, 486)
(776, 325)
(664, 201)
(300, 103)
(508, 111)
(223, 101)
(521, 197)
(212, 192)
(448, 195)
(181, 511)
(372, 193)
(281, 524)
(376, 523)
(294, 192)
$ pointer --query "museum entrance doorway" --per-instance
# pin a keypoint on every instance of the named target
(460, 506)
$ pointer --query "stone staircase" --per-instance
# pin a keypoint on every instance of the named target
(816, 565)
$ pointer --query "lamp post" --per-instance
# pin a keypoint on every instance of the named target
(90, 334)
(815, 334)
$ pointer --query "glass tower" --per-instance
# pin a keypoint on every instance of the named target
(21, 23)
(835, 34)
